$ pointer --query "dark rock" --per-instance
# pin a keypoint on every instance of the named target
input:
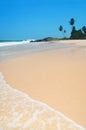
(45, 39)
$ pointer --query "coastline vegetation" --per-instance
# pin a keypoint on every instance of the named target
(75, 34)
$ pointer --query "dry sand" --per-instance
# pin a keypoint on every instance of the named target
(57, 78)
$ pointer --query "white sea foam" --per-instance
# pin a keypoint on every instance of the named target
(19, 111)
(2, 44)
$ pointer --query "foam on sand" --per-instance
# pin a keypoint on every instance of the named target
(19, 112)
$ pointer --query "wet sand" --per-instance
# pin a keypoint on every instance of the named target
(56, 77)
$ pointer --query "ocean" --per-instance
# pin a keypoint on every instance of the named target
(10, 49)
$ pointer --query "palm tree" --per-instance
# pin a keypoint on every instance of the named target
(72, 21)
(64, 33)
(60, 28)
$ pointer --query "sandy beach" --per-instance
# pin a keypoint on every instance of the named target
(55, 77)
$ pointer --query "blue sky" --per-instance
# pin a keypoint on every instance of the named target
(34, 19)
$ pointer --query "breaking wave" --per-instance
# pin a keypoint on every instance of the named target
(4, 44)
(20, 112)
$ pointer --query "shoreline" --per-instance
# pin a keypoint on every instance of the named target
(19, 50)
(30, 48)
(57, 78)
(59, 118)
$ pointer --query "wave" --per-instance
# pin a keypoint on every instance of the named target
(2, 44)
(19, 111)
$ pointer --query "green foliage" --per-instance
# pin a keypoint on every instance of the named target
(64, 31)
(60, 28)
(72, 21)
(75, 34)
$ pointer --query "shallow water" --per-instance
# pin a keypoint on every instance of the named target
(19, 111)
(13, 49)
